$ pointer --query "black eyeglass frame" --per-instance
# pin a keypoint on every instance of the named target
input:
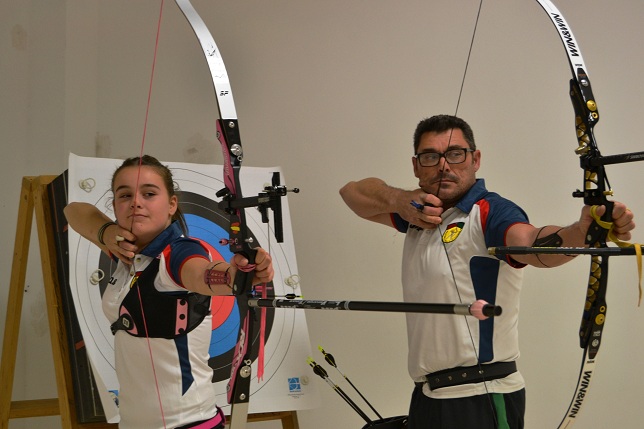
(444, 155)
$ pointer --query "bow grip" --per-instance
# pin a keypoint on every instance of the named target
(243, 280)
(597, 234)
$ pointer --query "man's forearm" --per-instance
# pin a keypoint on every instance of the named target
(370, 198)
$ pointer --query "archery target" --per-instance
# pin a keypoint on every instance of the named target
(91, 271)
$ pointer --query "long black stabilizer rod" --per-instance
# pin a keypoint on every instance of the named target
(487, 310)
(616, 159)
(600, 251)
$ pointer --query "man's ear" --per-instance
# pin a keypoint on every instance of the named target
(476, 159)
(414, 162)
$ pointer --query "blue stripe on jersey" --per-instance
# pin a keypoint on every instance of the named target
(184, 363)
(485, 273)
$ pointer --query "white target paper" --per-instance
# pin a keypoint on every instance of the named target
(285, 385)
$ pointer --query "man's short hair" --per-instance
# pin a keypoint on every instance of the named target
(442, 123)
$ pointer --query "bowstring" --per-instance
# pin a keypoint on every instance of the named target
(440, 182)
(134, 203)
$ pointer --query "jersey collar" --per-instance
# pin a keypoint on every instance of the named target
(476, 193)
(159, 243)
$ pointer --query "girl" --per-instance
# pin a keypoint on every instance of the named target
(158, 299)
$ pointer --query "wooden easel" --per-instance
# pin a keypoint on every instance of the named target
(34, 196)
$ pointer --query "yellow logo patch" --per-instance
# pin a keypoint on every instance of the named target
(452, 232)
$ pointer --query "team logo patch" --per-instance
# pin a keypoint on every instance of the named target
(452, 232)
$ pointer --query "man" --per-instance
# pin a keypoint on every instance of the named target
(450, 221)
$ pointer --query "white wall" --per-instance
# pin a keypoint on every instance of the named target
(332, 91)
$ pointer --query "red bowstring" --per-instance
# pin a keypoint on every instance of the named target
(154, 62)
(145, 127)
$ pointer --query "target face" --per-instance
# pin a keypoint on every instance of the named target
(90, 271)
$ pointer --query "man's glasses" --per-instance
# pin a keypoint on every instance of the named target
(452, 156)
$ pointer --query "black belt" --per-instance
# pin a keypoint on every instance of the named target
(469, 374)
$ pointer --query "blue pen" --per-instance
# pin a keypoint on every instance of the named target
(418, 206)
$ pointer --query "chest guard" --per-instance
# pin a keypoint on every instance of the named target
(167, 315)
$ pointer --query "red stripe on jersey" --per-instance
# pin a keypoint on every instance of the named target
(484, 207)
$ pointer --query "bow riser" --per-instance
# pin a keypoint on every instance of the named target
(594, 194)
(239, 241)
(595, 191)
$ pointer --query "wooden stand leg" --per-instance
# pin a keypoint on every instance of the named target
(14, 304)
(288, 418)
(34, 196)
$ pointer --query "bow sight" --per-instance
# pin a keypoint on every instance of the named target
(271, 198)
